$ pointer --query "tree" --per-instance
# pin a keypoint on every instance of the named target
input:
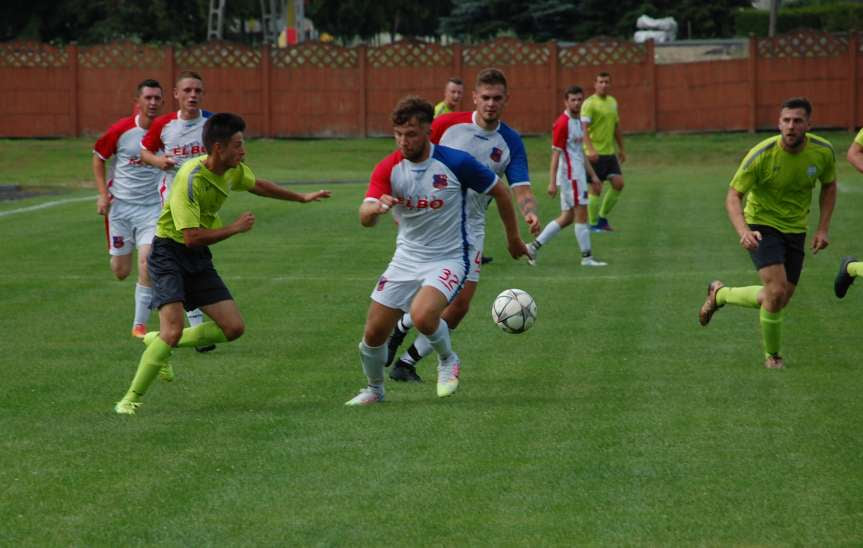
(364, 19)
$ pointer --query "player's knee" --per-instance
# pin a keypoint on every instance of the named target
(120, 272)
(374, 336)
(171, 334)
(775, 296)
(566, 218)
(455, 312)
(234, 330)
(617, 184)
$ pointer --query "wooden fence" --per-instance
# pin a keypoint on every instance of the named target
(321, 90)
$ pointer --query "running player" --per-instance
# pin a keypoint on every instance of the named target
(180, 136)
(850, 267)
(601, 132)
(427, 187)
(569, 172)
(777, 177)
(483, 135)
(129, 196)
(181, 265)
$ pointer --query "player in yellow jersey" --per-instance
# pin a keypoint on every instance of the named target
(850, 267)
(180, 263)
(601, 132)
(452, 95)
(777, 177)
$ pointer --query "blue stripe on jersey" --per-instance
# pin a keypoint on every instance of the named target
(516, 171)
(206, 113)
(464, 242)
(470, 173)
(191, 181)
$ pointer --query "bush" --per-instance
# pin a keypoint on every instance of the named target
(841, 17)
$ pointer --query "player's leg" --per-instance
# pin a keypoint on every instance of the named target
(143, 293)
(582, 236)
(154, 357)
(615, 177)
(426, 310)
(775, 295)
(567, 191)
(373, 351)
(849, 268)
(594, 197)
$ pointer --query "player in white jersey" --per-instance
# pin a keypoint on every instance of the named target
(483, 135)
(129, 195)
(180, 136)
(569, 172)
(426, 186)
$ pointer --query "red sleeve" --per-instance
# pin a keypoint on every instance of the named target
(152, 141)
(560, 133)
(380, 182)
(106, 146)
(446, 121)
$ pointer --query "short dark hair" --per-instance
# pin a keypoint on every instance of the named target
(491, 77)
(572, 90)
(455, 80)
(412, 107)
(187, 74)
(148, 83)
(220, 128)
(799, 102)
(603, 74)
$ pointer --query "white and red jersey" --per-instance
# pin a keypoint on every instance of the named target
(128, 178)
(501, 150)
(567, 136)
(431, 204)
(180, 139)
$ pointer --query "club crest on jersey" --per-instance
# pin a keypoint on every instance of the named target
(382, 282)
(812, 171)
(439, 181)
(496, 154)
(117, 241)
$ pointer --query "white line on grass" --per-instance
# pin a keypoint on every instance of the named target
(45, 205)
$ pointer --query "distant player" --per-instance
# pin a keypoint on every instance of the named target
(180, 264)
(427, 186)
(849, 267)
(129, 195)
(601, 132)
(777, 177)
(452, 95)
(569, 172)
(482, 134)
(179, 135)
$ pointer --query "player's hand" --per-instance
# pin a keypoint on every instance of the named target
(592, 156)
(167, 163)
(533, 223)
(316, 196)
(596, 186)
(621, 156)
(103, 204)
(245, 222)
(516, 248)
(552, 190)
(819, 242)
(749, 239)
(385, 202)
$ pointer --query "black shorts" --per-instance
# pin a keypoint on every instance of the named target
(782, 248)
(184, 274)
(606, 166)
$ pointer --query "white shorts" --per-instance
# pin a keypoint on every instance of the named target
(399, 283)
(129, 225)
(475, 256)
(573, 193)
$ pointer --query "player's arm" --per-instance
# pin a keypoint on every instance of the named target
(527, 205)
(826, 202)
(269, 189)
(103, 202)
(515, 245)
(165, 163)
(592, 155)
(372, 208)
(196, 237)
(618, 137)
(552, 174)
(855, 156)
(734, 207)
(594, 178)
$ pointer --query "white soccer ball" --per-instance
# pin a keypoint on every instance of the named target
(514, 311)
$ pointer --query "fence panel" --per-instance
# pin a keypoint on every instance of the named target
(35, 84)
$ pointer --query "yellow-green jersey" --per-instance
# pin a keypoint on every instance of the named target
(600, 113)
(859, 138)
(197, 195)
(441, 108)
(779, 184)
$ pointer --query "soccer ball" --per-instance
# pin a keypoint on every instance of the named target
(514, 311)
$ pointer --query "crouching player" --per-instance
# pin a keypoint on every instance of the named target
(427, 186)
(180, 264)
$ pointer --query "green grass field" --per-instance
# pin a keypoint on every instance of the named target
(616, 420)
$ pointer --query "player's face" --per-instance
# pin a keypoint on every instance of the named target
(453, 94)
(412, 138)
(793, 125)
(234, 151)
(573, 103)
(602, 85)
(189, 93)
(150, 101)
(490, 99)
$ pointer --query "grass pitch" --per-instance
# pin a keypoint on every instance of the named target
(616, 420)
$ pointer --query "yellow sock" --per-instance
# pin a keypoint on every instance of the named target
(154, 357)
(771, 331)
(855, 269)
(739, 296)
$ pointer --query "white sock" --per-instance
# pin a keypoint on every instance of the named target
(143, 296)
(196, 317)
(549, 232)
(373, 359)
(439, 340)
(582, 234)
(407, 322)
